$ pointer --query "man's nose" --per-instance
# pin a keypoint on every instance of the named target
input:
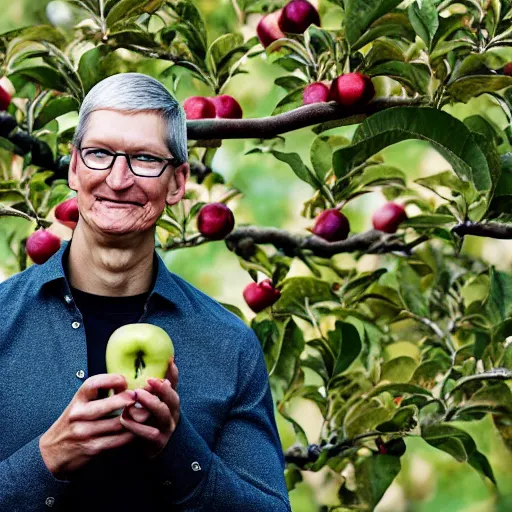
(120, 175)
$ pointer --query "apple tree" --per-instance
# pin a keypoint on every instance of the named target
(392, 71)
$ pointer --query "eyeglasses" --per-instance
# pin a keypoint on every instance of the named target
(144, 165)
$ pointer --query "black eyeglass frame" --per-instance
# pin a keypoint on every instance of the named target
(172, 161)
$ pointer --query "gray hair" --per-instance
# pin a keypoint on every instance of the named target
(132, 93)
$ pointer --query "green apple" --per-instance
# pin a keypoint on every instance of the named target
(139, 351)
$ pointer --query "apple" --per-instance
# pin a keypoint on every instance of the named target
(199, 107)
(139, 351)
(215, 221)
(507, 70)
(297, 16)
(316, 92)
(268, 28)
(227, 107)
(352, 89)
(5, 98)
(67, 213)
(388, 217)
(41, 245)
(259, 296)
(331, 225)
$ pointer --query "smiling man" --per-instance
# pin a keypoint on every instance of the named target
(209, 443)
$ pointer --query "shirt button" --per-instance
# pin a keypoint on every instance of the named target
(166, 483)
(75, 325)
(67, 298)
(80, 374)
(195, 466)
(49, 501)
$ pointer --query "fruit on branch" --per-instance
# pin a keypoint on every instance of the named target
(388, 217)
(5, 99)
(199, 107)
(316, 92)
(507, 70)
(352, 89)
(260, 295)
(331, 225)
(138, 352)
(268, 28)
(67, 213)
(41, 245)
(297, 16)
(227, 107)
(215, 221)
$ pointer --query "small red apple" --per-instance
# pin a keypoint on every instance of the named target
(227, 107)
(331, 225)
(67, 213)
(352, 89)
(297, 16)
(316, 92)
(41, 245)
(199, 107)
(5, 99)
(388, 217)
(507, 70)
(215, 221)
(268, 28)
(260, 295)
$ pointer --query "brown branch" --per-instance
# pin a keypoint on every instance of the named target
(485, 229)
(271, 126)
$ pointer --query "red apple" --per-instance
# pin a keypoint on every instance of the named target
(199, 107)
(260, 295)
(268, 28)
(507, 70)
(5, 99)
(297, 16)
(67, 213)
(215, 221)
(388, 217)
(352, 89)
(316, 92)
(331, 225)
(41, 245)
(227, 107)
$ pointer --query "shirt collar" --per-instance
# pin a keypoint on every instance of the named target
(166, 284)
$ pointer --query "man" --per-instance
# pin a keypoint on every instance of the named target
(209, 444)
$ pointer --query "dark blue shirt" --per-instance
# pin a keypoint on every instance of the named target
(225, 454)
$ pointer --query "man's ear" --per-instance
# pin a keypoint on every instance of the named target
(177, 184)
(72, 177)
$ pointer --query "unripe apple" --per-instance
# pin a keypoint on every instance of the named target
(215, 221)
(268, 28)
(388, 217)
(507, 70)
(297, 16)
(260, 295)
(331, 225)
(41, 245)
(199, 107)
(316, 92)
(67, 213)
(5, 99)
(227, 107)
(352, 89)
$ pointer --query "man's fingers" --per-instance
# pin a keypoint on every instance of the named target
(139, 415)
(172, 374)
(89, 389)
(98, 408)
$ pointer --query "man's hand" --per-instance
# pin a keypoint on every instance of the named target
(82, 432)
(155, 422)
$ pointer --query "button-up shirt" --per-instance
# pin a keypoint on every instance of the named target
(225, 453)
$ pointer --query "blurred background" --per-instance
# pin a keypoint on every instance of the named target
(430, 480)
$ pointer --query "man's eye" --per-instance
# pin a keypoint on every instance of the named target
(97, 153)
(147, 158)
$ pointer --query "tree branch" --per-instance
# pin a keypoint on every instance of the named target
(485, 229)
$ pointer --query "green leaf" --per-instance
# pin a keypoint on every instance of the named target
(364, 417)
(44, 75)
(399, 369)
(298, 167)
(384, 50)
(286, 362)
(447, 134)
(481, 63)
(191, 27)
(221, 51)
(411, 292)
(123, 9)
(90, 67)
(498, 304)
(55, 108)
(449, 180)
(130, 38)
(426, 221)
(359, 15)
(424, 19)
(413, 75)
(398, 389)
(346, 345)
(404, 419)
(39, 33)
(396, 25)
(290, 82)
(291, 101)
(321, 153)
(467, 87)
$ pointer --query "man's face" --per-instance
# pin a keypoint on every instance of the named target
(141, 133)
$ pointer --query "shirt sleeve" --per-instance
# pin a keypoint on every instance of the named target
(246, 469)
(26, 484)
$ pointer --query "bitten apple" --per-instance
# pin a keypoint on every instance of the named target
(268, 28)
(199, 107)
(67, 213)
(259, 296)
(316, 92)
(138, 352)
(352, 89)
(215, 221)
(331, 225)
(388, 217)
(297, 16)
(227, 107)
(41, 245)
